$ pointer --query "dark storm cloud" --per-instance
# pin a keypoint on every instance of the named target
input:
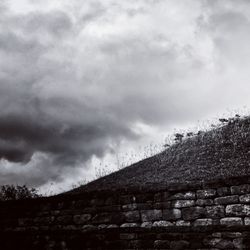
(77, 78)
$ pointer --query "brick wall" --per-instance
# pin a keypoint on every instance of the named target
(202, 216)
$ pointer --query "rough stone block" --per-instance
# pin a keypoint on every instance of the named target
(162, 223)
(140, 244)
(211, 242)
(145, 206)
(183, 196)
(171, 214)
(181, 244)
(162, 205)
(44, 220)
(203, 222)
(238, 210)
(101, 218)
(242, 189)
(81, 218)
(245, 198)
(147, 224)
(247, 221)
(112, 226)
(215, 211)
(111, 201)
(132, 216)
(111, 208)
(223, 191)
(102, 226)
(97, 202)
(232, 235)
(127, 236)
(221, 244)
(192, 213)
(128, 207)
(217, 235)
(89, 228)
(115, 244)
(231, 221)
(127, 199)
(238, 243)
(66, 219)
(162, 244)
(81, 204)
(151, 215)
(145, 197)
(161, 196)
(130, 225)
(204, 202)
(206, 193)
(183, 203)
(226, 200)
(107, 218)
(182, 223)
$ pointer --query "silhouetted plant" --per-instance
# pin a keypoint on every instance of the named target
(190, 134)
(178, 137)
(11, 192)
(223, 120)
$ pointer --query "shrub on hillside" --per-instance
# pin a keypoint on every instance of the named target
(11, 192)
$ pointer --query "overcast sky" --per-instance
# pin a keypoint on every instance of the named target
(83, 82)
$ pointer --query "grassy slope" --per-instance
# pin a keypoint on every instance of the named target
(220, 153)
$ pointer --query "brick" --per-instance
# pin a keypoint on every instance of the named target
(81, 218)
(215, 211)
(127, 236)
(147, 224)
(238, 243)
(183, 203)
(151, 215)
(192, 213)
(204, 202)
(203, 222)
(171, 214)
(140, 244)
(162, 244)
(245, 198)
(223, 191)
(231, 235)
(162, 223)
(130, 225)
(247, 221)
(181, 244)
(88, 228)
(226, 200)
(238, 210)
(128, 207)
(231, 221)
(162, 205)
(242, 189)
(111, 201)
(206, 193)
(107, 218)
(183, 196)
(112, 226)
(182, 223)
(127, 199)
(132, 216)
(143, 198)
(97, 202)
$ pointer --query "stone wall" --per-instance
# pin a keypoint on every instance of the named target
(201, 216)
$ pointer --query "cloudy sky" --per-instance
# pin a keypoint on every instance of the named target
(84, 82)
